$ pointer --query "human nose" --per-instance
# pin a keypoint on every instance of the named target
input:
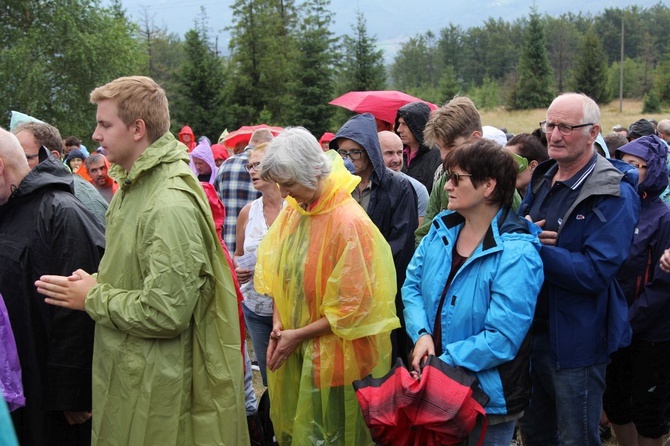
(96, 136)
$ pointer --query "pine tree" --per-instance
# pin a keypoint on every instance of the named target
(363, 65)
(199, 83)
(662, 80)
(314, 77)
(262, 61)
(590, 69)
(534, 87)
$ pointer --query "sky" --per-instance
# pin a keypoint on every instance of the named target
(391, 22)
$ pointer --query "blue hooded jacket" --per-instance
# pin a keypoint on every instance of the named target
(489, 306)
(588, 313)
(646, 286)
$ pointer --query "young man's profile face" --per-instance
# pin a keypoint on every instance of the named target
(114, 136)
(445, 148)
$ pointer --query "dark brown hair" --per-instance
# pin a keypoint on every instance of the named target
(484, 159)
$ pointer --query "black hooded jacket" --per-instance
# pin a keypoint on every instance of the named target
(392, 205)
(44, 229)
(427, 160)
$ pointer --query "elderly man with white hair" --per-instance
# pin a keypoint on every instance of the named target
(588, 210)
(44, 229)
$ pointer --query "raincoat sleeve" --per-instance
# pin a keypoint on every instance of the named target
(416, 314)
(592, 269)
(171, 260)
(650, 304)
(10, 368)
(76, 241)
(514, 289)
(360, 296)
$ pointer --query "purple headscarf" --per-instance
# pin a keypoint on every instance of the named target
(203, 151)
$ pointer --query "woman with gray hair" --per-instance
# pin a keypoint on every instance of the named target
(330, 273)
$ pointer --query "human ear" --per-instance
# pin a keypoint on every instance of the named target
(139, 129)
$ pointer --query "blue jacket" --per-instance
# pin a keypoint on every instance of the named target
(646, 286)
(588, 314)
(488, 308)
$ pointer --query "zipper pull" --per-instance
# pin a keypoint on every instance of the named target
(453, 300)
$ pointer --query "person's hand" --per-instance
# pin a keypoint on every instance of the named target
(546, 237)
(77, 417)
(243, 275)
(665, 261)
(424, 346)
(68, 292)
(283, 345)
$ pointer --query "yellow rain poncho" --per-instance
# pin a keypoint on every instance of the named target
(329, 261)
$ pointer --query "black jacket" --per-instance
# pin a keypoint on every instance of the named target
(427, 160)
(44, 229)
(392, 205)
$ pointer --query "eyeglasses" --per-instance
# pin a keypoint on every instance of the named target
(250, 166)
(352, 154)
(564, 129)
(455, 177)
(637, 165)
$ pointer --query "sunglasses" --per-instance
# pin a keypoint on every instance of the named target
(454, 177)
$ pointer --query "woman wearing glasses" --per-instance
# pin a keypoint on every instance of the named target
(330, 273)
(473, 282)
(252, 224)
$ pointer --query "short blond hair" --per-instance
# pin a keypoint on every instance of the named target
(458, 117)
(138, 97)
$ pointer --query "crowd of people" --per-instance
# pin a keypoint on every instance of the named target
(536, 263)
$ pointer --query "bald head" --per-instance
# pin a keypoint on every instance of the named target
(663, 129)
(392, 148)
(13, 164)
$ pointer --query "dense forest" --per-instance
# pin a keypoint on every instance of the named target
(284, 64)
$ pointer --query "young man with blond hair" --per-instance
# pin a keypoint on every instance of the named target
(450, 126)
(167, 367)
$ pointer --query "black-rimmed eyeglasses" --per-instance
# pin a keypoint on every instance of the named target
(564, 129)
(352, 154)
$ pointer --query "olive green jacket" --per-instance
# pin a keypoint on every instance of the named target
(167, 365)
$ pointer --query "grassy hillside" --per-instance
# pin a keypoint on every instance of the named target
(528, 120)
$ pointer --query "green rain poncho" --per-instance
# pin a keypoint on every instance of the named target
(329, 261)
(167, 367)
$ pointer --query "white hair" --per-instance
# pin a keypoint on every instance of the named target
(590, 110)
(295, 156)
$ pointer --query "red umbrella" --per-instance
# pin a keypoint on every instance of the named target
(243, 134)
(382, 104)
(440, 408)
